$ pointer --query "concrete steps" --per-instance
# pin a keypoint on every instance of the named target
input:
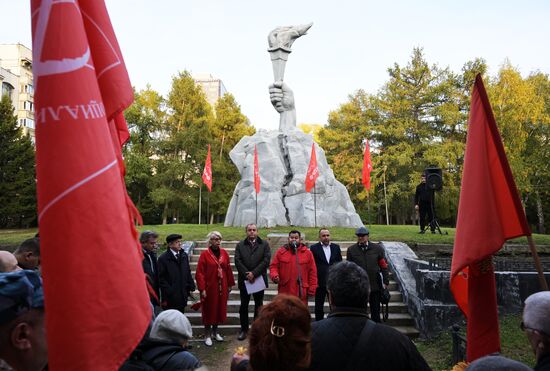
(399, 318)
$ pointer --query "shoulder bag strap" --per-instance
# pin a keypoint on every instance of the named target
(361, 345)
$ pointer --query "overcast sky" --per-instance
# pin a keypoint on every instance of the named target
(349, 47)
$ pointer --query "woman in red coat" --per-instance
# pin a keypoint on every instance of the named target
(214, 280)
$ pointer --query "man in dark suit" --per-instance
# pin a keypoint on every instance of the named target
(148, 240)
(325, 254)
(252, 256)
(175, 280)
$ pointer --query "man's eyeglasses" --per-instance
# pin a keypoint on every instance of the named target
(525, 328)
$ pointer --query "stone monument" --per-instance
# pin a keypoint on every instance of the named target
(283, 161)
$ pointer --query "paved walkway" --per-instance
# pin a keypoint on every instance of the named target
(218, 356)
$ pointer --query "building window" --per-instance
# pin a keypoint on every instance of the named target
(30, 123)
(7, 89)
(28, 105)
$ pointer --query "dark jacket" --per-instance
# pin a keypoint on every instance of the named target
(321, 261)
(253, 259)
(175, 279)
(160, 355)
(543, 364)
(386, 349)
(151, 269)
(370, 260)
(422, 195)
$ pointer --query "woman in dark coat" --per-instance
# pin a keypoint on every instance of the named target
(215, 280)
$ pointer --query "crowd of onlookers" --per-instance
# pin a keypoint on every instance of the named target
(282, 335)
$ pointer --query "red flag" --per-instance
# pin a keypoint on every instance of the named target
(256, 171)
(312, 170)
(207, 172)
(367, 166)
(97, 303)
(489, 213)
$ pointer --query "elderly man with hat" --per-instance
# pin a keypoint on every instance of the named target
(175, 280)
(371, 257)
(22, 330)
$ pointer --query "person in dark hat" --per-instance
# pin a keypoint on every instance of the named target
(371, 257)
(22, 329)
(175, 280)
(148, 240)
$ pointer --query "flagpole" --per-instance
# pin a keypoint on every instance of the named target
(207, 210)
(542, 280)
(200, 203)
(315, 205)
(368, 209)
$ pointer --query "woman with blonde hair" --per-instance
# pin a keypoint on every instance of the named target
(214, 280)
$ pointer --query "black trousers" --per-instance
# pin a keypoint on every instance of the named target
(245, 300)
(320, 296)
(374, 305)
(425, 209)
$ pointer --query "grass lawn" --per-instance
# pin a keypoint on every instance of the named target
(196, 232)
(438, 351)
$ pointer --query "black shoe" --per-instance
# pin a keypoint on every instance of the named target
(242, 336)
(422, 232)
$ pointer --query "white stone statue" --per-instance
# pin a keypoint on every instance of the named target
(283, 161)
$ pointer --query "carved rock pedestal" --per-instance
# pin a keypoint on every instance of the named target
(283, 162)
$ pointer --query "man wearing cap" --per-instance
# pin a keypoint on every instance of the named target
(371, 257)
(148, 240)
(175, 280)
(22, 330)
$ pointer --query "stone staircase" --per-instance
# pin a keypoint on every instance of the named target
(399, 318)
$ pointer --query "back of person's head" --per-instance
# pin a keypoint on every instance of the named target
(280, 338)
(496, 362)
(536, 314)
(8, 262)
(348, 285)
(22, 329)
(28, 253)
(172, 325)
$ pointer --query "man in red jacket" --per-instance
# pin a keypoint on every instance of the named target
(293, 268)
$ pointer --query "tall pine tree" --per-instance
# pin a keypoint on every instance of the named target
(17, 172)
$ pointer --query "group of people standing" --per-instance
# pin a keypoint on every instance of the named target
(296, 269)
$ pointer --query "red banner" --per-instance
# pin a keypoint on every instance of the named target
(256, 171)
(367, 166)
(207, 172)
(489, 213)
(97, 305)
(312, 170)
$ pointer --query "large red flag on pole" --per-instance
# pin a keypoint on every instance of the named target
(312, 170)
(256, 171)
(207, 172)
(367, 166)
(489, 213)
(97, 303)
